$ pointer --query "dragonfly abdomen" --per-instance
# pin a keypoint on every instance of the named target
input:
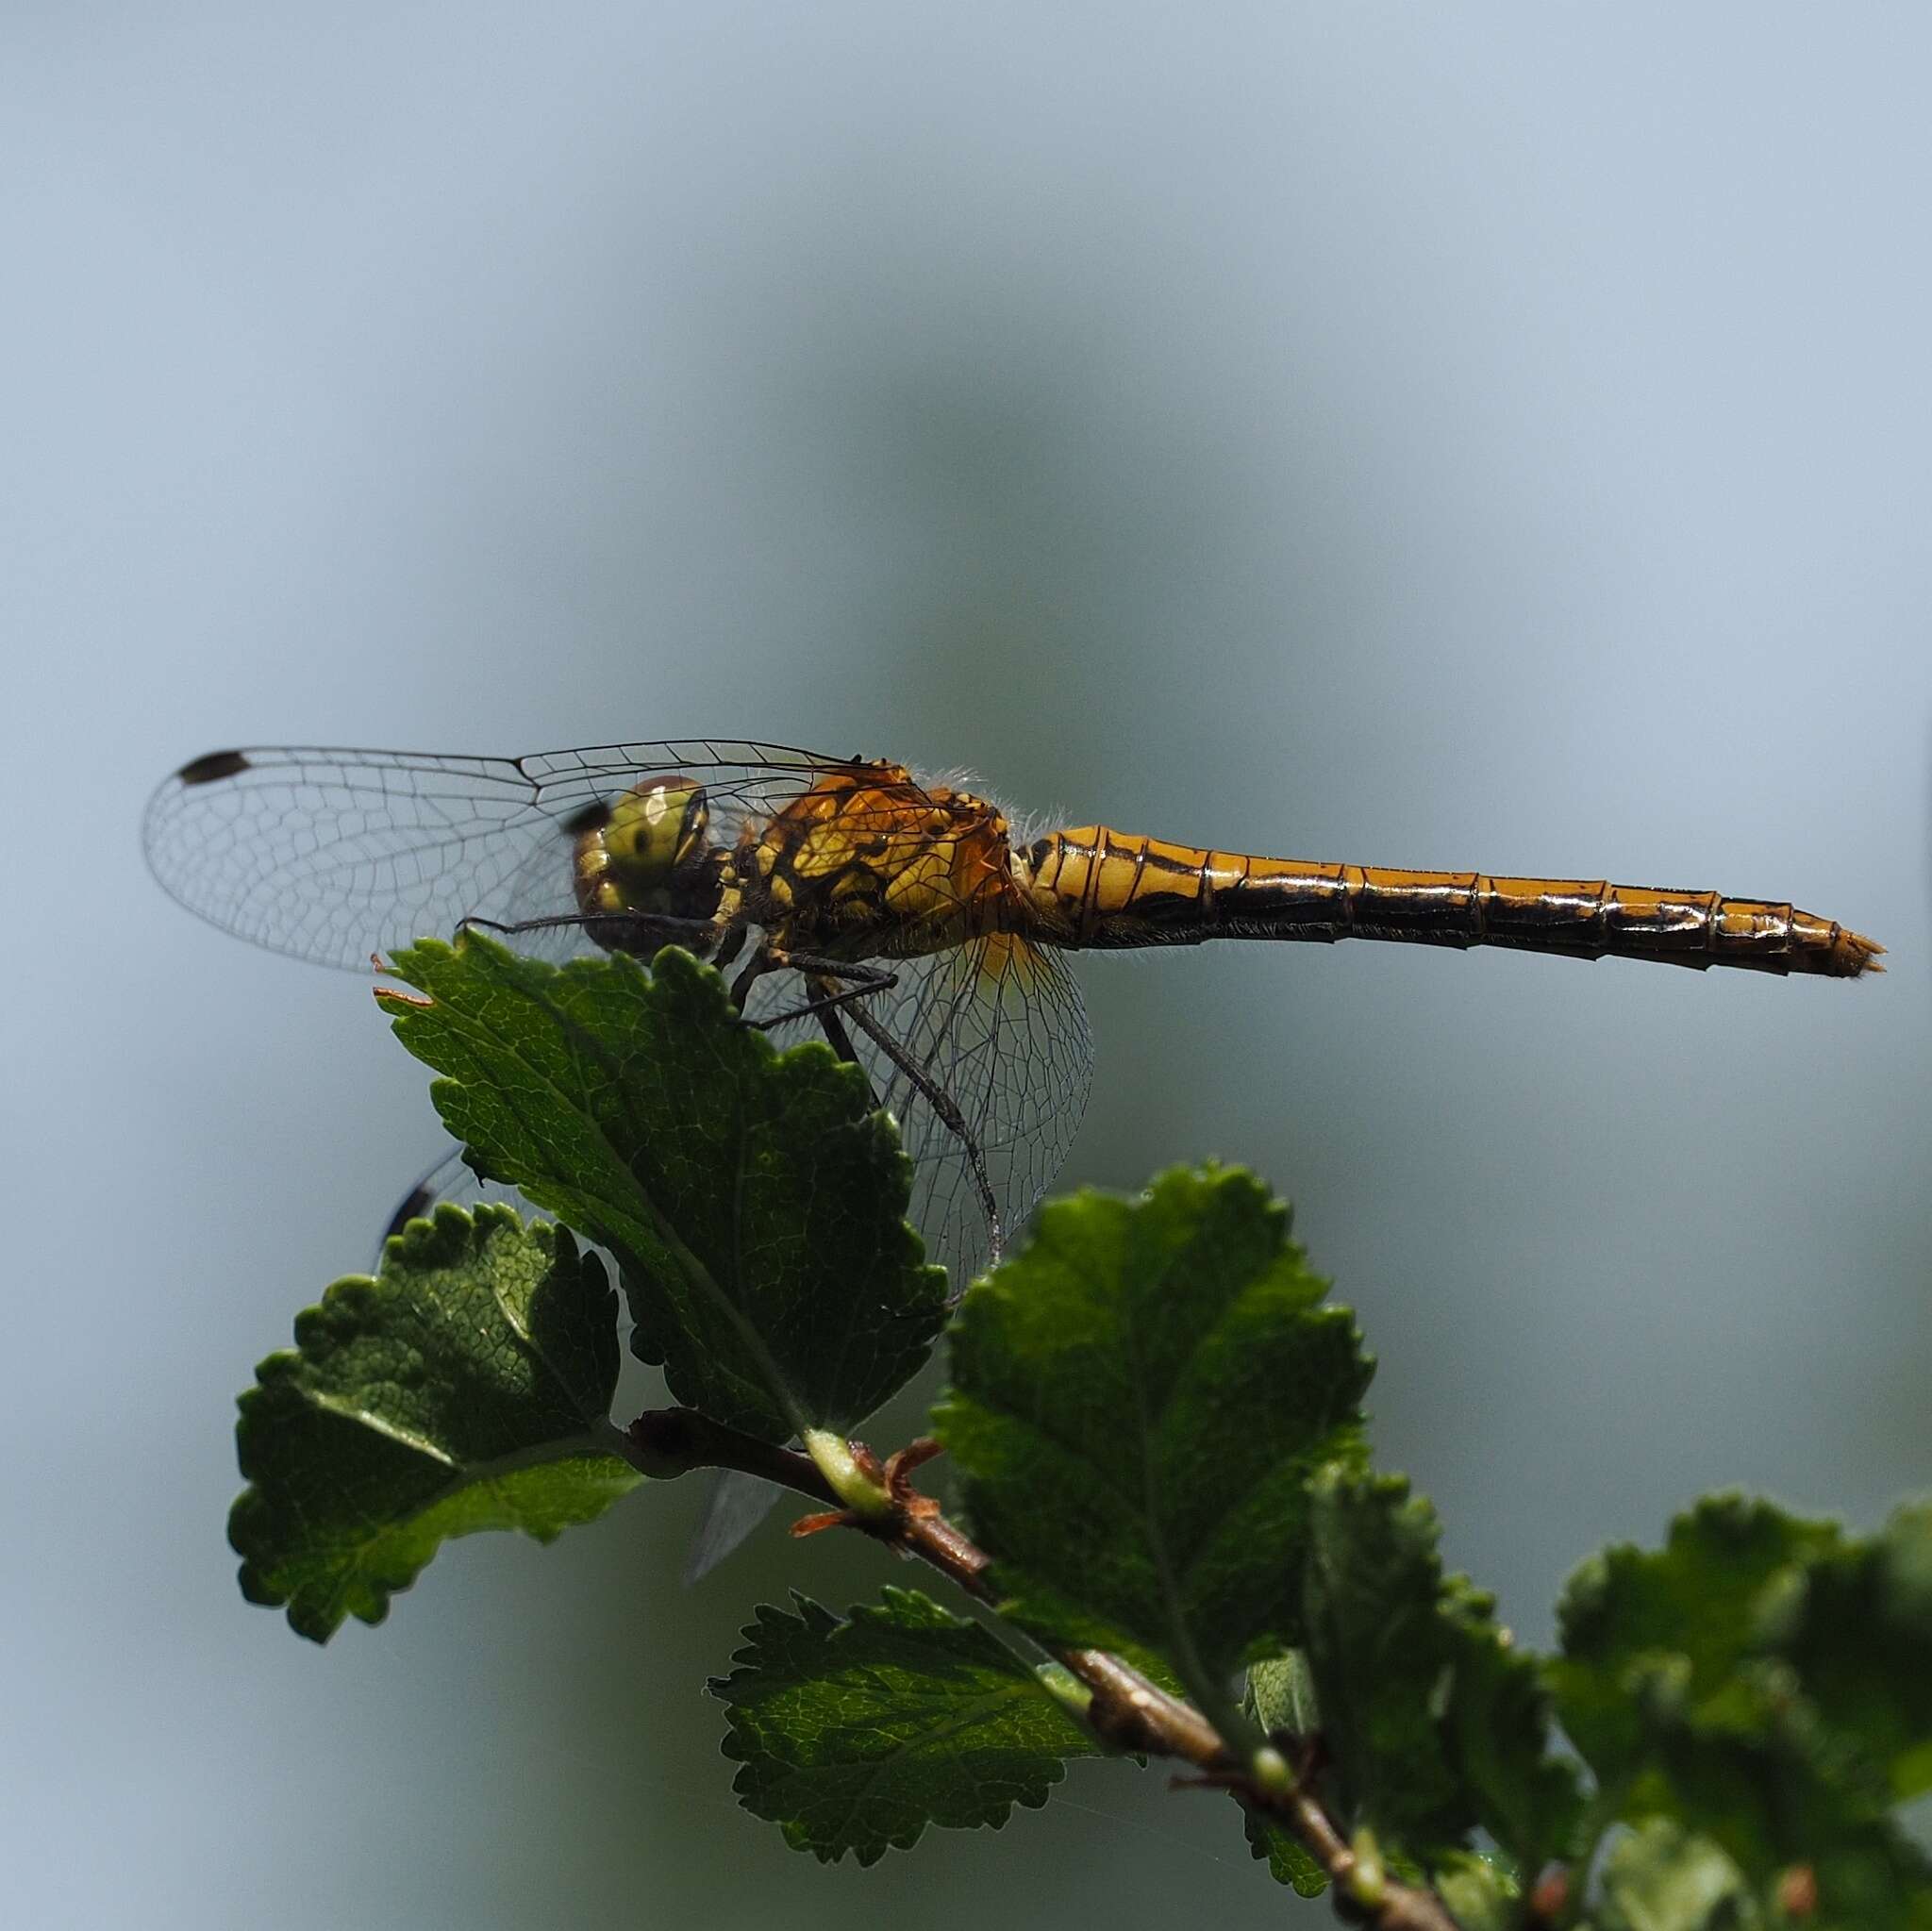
(1100, 888)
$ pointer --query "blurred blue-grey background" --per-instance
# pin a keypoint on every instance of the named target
(1495, 437)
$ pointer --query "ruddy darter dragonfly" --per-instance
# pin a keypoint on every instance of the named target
(899, 916)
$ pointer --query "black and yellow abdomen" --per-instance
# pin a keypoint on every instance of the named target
(1093, 887)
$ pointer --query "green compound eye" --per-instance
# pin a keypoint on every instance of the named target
(655, 829)
(639, 858)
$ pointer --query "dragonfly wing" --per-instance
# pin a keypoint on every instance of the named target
(334, 855)
(452, 1179)
(1000, 1027)
(735, 1506)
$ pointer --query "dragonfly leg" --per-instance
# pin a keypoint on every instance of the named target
(730, 944)
(643, 932)
(420, 1200)
(754, 969)
(820, 972)
(826, 1008)
(823, 1005)
(839, 1040)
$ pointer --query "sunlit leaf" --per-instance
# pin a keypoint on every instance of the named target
(1138, 1402)
(755, 1200)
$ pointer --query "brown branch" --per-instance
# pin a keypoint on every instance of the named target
(1127, 1711)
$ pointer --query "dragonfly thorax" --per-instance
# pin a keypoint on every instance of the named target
(645, 870)
(869, 865)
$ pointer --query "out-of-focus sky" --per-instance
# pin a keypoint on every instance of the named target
(1492, 438)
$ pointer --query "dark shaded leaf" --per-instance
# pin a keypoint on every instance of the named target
(467, 1387)
(1435, 1724)
(1496, 1730)
(856, 1735)
(1673, 1686)
(1694, 1602)
(1855, 1623)
(1381, 1654)
(1288, 1862)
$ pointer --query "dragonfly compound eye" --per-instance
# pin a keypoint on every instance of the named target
(646, 854)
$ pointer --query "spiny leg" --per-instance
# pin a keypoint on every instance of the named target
(826, 1009)
(821, 1006)
(824, 1002)
(663, 929)
(819, 972)
(840, 1041)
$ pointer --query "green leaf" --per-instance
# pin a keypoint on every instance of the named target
(1287, 1861)
(1661, 1878)
(754, 1199)
(1281, 1696)
(1380, 1653)
(1692, 1605)
(1138, 1402)
(1481, 1893)
(1495, 1731)
(1856, 1623)
(1750, 1769)
(856, 1735)
(468, 1386)
(1435, 1724)
(1279, 1701)
(1673, 1686)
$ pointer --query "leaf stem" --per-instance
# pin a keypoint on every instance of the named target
(1126, 1711)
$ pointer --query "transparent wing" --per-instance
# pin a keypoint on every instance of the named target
(334, 854)
(999, 1025)
(734, 1507)
(1002, 1028)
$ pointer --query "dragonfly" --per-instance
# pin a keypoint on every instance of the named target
(909, 920)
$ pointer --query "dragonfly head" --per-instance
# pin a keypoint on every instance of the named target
(647, 856)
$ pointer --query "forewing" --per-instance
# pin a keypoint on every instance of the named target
(334, 855)
(999, 1025)
(337, 855)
